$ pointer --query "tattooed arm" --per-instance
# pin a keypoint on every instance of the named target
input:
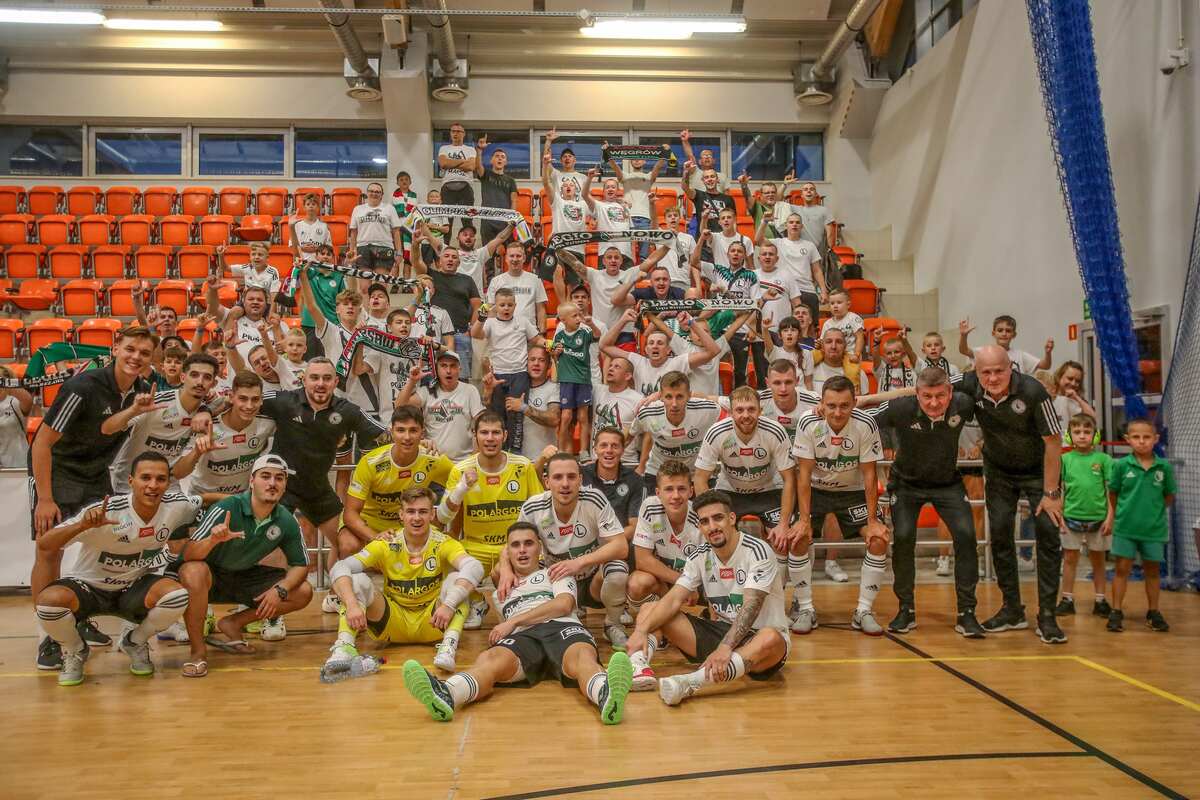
(717, 663)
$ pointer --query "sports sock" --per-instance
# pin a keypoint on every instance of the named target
(635, 606)
(450, 638)
(1100, 598)
(641, 658)
(463, 688)
(612, 591)
(800, 571)
(166, 612)
(873, 570)
(596, 686)
(736, 669)
(59, 624)
(1068, 596)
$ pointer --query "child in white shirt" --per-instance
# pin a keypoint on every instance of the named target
(847, 322)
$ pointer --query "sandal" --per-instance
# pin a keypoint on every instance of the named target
(237, 647)
(195, 669)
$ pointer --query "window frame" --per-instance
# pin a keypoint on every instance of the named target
(288, 134)
(184, 150)
(793, 132)
(83, 150)
(535, 155)
(723, 135)
(614, 136)
(294, 140)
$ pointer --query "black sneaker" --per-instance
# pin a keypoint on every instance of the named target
(1048, 630)
(1007, 618)
(968, 626)
(1101, 608)
(49, 655)
(93, 635)
(1065, 607)
(904, 621)
(1155, 621)
(1116, 621)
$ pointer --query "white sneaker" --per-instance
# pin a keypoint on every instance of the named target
(176, 633)
(805, 621)
(331, 604)
(616, 636)
(341, 653)
(1026, 564)
(644, 680)
(835, 573)
(673, 691)
(475, 616)
(943, 566)
(273, 630)
(865, 621)
(446, 656)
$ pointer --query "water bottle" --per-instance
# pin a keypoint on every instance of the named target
(356, 667)
(364, 665)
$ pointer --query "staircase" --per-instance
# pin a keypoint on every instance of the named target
(918, 311)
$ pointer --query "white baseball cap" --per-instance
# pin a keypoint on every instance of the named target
(270, 461)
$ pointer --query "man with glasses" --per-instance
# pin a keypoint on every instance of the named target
(457, 162)
(375, 230)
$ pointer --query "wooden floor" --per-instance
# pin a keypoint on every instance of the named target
(927, 715)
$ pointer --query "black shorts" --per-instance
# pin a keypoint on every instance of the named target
(71, 497)
(319, 507)
(540, 650)
(850, 509)
(128, 603)
(764, 505)
(376, 257)
(242, 586)
(709, 634)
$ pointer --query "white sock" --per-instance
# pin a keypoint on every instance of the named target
(800, 571)
(873, 570)
(595, 687)
(59, 624)
(450, 639)
(463, 688)
(166, 612)
(612, 591)
(641, 658)
(737, 668)
(1068, 596)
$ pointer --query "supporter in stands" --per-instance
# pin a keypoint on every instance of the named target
(581, 298)
(258, 272)
(649, 369)
(706, 162)
(15, 405)
(539, 408)
(508, 339)
(733, 277)
(379, 304)
(679, 253)
(168, 375)
(800, 258)
(294, 345)
(527, 288)
(817, 223)
(327, 284)
(629, 294)
(496, 189)
(439, 227)
(473, 260)
(448, 405)
(637, 186)
(933, 349)
(726, 235)
(334, 334)
(615, 402)
(705, 375)
(834, 362)
(789, 348)
(404, 200)
(709, 201)
(849, 323)
(455, 294)
(375, 243)
(428, 320)
(1004, 330)
(561, 178)
(457, 162)
(1068, 402)
(610, 212)
(602, 285)
(310, 231)
(891, 369)
(163, 321)
(568, 213)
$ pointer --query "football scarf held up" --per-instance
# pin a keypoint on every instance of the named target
(635, 151)
(576, 238)
(35, 373)
(413, 349)
(506, 215)
(690, 306)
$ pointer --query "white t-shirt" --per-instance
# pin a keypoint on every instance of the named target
(458, 152)
(1021, 361)
(824, 371)
(558, 178)
(849, 325)
(655, 532)
(616, 409)
(308, 235)
(286, 371)
(751, 566)
(14, 442)
(705, 378)
(838, 455)
(536, 590)
(637, 192)
(268, 279)
(508, 343)
(538, 436)
(602, 285)
(721, 244)
(374, 224)
(677, 259)
(746, 466)
(591, 521)
(802, 359)
(680, 442)
(227, 470)
(568, 216)
(798, 258)
(378, 323)
(471, 263)
(431, 321)
(785, 285)
(390, 373)
(646, 376)
(527, 287)
(247, 331)
(448, 416)
(612, 216)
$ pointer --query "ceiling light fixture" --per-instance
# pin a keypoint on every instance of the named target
(43, 17)
(659, 28)
(188, 25)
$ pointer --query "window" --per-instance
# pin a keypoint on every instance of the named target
(138, 152)
(341, 153)
(586, 147)
(699, 142)
(930, 20)
(240, 153)
(515, 145)
(41, 150)
(771, 156)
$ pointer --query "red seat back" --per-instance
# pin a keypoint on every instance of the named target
(122, 200)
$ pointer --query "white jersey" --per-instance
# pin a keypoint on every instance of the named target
(646, 376)
(286, 371)
(678, 259)
(111, 557)
(616, 409)
(751, 566)
(806, 403)
(591, 521)
(602, 285)
(849, 325)
(527, 289)
(785, 286)
(750, 466)
(612, 216)
(448, 416)
(267, 280)
(655, 532)
(838, 455)
(798, 258)
(310, 235)
(538, 436)
(374, 224)
(1026, 363)
(532, 591)
(227, 470)
(166, 431)
(247, 331)
(671, 441)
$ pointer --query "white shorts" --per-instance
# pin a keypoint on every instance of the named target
(1096, 542)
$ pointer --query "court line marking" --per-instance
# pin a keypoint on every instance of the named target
(1132, 681)
(724, 773)
(1033, 716)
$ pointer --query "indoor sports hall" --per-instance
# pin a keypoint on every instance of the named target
(292, 234)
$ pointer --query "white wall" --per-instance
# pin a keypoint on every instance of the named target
(961, 168)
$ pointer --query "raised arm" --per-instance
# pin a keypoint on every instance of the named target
(587, 188)
(685, 181)
(480, 146)
(498, 239)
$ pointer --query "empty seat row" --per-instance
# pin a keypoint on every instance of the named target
(161, 201)
(84, 297)
(115, 261)
(173, 229)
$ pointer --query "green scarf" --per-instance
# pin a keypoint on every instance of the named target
(35, 374)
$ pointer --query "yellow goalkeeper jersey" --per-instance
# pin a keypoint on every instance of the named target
(379, 481)
(412, 580)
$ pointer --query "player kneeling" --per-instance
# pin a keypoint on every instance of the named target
(540, 636)
(740, 580)
(428, 578)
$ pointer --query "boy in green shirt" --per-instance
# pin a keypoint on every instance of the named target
(571, 347)
(1141, 487)
(1087, 512)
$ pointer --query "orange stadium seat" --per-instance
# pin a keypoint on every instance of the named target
(868, 368)
(300, 194)
(256, 228)
(159, 201)
(12, 199)
(292, 322)
(194, 261)
(280, 257)
(137, 228)
(339, 229)
(196, 200)
(725, 372)
(271, 200)
(343, 201)
(177, 229)
(31, 427)
(664, 199)
(97, 229)
(187, 329)
(234, 200)
(235, 255)
(56, 229)
(110, 261)
(120, 297)
(227, 293)
(83, 200)
(551, 299)
(99, 332)
(82, 297)
(525, 203)
(864, 297)
(47, 331)
(10, 334)
(890, 330)
(122, 200)
(35, 294)
(152, 261)
(16, 228)
(68, 261)
(44, 199)
(739, 201)
(24, 260)
(215, 228)
(173, 293)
